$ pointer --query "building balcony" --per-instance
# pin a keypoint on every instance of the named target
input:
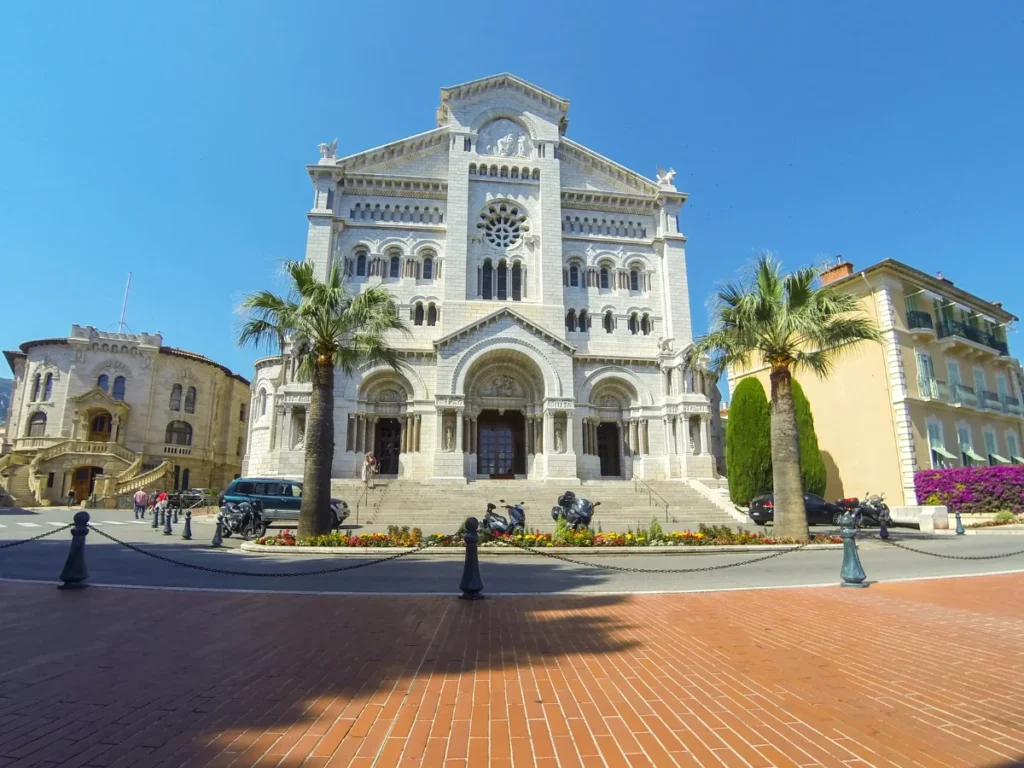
(956, 335)
(933, 389)
(961, 395)
(920, 323)
(989, 401)
(1012, 406)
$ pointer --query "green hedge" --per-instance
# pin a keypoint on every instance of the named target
(812, 466)
(748, 448)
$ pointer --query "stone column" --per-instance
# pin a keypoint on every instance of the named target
(370, 422)
(115, 426)
(358, 442)
(439, 439)
(586, 436)
(287, 442)
(549, 432)
(705, 435)
(634, 436)
(419, 424)
(405, 433)
(348, 433)
(459, 432)
(569, 428)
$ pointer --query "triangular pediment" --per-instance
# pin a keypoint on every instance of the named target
(505, 81)
(97, 398)
(396, 157)
(480, 326)
(585, 169)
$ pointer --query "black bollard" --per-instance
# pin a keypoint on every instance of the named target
(852, 571)
(176, 514)
(167, 523)
(75, 573)
(883, 530)
(218, 531)
(959, 524)
(472, 583)
(155, 518)
(187, 533)
(161, 508)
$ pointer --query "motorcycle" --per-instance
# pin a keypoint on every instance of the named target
(577, 512)
(497, 525)
(874, 510)
(244, 518)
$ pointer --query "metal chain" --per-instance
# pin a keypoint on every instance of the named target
(950, 557)
(227, 572)
(42, 535)
(543, 553)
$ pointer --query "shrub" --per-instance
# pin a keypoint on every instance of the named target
(973, 489)
(1006, 516)
(562, 532)
(748, 446)
(654, 531)
(812, 466)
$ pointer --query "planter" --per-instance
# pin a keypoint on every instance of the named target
(373, 553)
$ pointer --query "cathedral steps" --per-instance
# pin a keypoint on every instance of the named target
(440, 508)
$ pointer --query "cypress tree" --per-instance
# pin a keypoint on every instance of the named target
(812, 466)
(748, 444)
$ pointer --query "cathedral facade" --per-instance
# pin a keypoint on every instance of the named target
(546, 296)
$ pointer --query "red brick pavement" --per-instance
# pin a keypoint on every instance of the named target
(924, 673)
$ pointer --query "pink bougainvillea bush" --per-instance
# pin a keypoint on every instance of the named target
(973, 489)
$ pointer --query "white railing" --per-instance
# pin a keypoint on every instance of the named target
(150, 478)
(85, 446)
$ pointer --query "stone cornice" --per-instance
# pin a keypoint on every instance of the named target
(587, 357)
(583, 157)
(393, 186)
(610, 202)
(531, 326)
(387, 155)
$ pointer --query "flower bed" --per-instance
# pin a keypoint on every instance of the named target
(973, 489)
(705, 536)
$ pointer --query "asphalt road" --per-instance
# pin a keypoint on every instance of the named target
(113, 564)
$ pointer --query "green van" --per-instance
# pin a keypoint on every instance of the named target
(280, 498)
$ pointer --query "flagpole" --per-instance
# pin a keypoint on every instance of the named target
(124, 304)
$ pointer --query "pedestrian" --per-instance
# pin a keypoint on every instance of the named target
(369, 470)
(141, 499)
(71, 497)
(161, 502)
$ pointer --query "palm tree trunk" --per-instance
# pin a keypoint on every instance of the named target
(315, 512)
(790, 514)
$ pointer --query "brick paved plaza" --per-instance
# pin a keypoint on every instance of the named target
(919, 673)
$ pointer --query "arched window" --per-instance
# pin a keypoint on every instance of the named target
(486, 279)
(261, 402)
(418, 318)
(645, 324)
(609, 322)
(634, 324)
(574, 276)
(502, 280)
(634, 280)
(394, 267)
(178, 433)
(119, 388)
(428, 268)
(103, 382)
(35, 387)
(48, 387)
(102, 424)
(570, 320)
(604, 278)
(517, 281)
(190, 400)
(584, 321)
(361, 264)
(37, 425)
(175, 404)
(432, 315)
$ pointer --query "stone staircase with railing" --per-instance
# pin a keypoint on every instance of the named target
(441, 508)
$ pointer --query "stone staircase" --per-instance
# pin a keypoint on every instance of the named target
(18, 490)
(439, 508)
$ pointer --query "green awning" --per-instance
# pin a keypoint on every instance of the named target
(943, 453)
(1000, 459)
(970, 454)
(1018, 459)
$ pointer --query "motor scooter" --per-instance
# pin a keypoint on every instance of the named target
(497, 525)
(577, 512)
(874, 510)
(244, 518)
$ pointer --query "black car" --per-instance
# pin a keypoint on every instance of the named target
(280, 499)
(819, 511)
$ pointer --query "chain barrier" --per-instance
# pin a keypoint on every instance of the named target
(227, 572)
(42, 535)
(948, 557)
(623, 569)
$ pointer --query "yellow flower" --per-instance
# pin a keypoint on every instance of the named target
(629, 535)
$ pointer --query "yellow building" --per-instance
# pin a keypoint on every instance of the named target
(941, 389)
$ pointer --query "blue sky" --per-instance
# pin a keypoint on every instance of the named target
(170, 140)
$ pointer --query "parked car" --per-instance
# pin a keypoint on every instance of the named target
(280, 498)
(819, 511)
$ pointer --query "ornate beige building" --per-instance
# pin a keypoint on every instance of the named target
(105, 414)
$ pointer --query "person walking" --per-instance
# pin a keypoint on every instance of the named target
(71, 497)
(369, 470)
(141, 500)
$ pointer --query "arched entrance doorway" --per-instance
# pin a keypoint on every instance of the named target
(384, 422)
(614, 432)
(83, 480)
(504, 410)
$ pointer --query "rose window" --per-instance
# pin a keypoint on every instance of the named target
(503, 224)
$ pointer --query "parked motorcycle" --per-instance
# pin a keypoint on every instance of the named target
(577, 512)
(497, 525)
(244, 518)
(874, 510)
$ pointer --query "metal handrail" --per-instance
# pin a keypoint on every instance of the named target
(651, 493)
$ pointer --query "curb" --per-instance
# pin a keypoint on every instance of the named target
(252, 548)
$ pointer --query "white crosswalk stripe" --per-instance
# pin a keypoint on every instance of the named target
(29, 525)
(114, 522)
(2, 525)
(55, 523)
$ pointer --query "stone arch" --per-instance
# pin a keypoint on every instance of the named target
(504, 377)
(368, 377)
(552, 382)
(609, 373)
(488, 116)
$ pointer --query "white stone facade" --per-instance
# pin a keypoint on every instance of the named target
(545, 289)
(124, 407)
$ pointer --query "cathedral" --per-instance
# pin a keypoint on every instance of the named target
(545, 291)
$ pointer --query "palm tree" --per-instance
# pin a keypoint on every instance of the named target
(329, 327)
(788, 323)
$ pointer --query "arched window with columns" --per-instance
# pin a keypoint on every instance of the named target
(432, 314)
(418, 313)
(608, 322)
(360, 263)
(570, 320)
